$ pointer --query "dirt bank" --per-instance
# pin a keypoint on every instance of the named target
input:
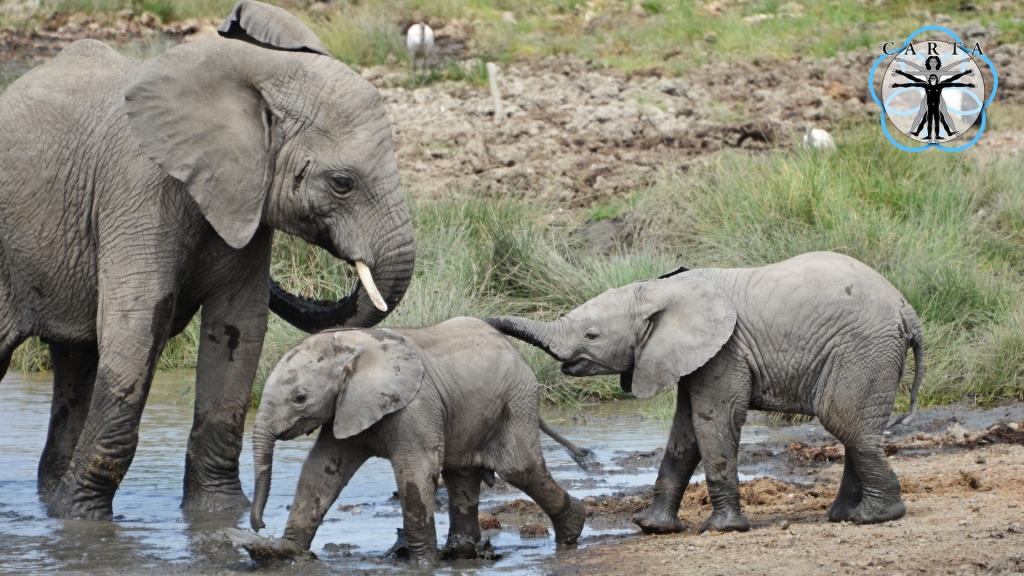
(570, 130)
(963, 487)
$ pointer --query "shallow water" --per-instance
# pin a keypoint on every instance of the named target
(152, 534)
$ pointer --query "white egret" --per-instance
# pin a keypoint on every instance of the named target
(419, 40)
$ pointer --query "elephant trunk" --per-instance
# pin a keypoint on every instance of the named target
(263, 458)
(391, 273)
(550, 337)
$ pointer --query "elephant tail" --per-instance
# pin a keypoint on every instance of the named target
(584, 457)
(912, 326)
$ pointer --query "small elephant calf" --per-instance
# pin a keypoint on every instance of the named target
(819, 334)
(455, 400)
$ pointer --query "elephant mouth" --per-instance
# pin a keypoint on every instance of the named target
(586, 367)
(298, 430)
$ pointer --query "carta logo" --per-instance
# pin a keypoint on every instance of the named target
(933, 91)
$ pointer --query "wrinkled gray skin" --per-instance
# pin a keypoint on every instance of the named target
(134, 192)
(820, 334)
(455, 400)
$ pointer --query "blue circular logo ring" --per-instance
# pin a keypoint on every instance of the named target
(885, 127)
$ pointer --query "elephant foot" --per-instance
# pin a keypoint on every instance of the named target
(465, 548)
(461, 546)
(263, 550)
(569, 522)
(842, 509)
(726, 521)
(215, 501)
(67, 503)
(657, 521)
(872, 513)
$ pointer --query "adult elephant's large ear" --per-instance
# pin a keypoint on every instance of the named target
(270, 27)
(384, 376)
(688, 322)
(197, 112)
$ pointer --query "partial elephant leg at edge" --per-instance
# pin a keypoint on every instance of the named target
(681, 458)
(74, 376)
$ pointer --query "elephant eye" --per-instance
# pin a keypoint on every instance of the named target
(300, 397)
(342, 183)
(591, 334)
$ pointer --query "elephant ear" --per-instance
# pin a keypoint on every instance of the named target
(270, 27)
(689, 320)
(196, 114)
(382, 377)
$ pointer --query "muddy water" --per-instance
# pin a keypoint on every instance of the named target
(151, 534)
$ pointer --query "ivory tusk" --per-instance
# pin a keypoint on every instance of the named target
(367, 279)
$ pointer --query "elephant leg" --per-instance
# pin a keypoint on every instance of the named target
(74, 374)
(720, 394)
(567, 514)
(417, 486)
(880, 501)
(132, 336)
(681, 458)
(463, 514)
(851, 491)
(234, 322)
(325, 473)
(856, 405)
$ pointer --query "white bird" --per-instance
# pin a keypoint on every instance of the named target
(818, 139)
(419, 40)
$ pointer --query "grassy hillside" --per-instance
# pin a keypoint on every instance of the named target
(674, 35)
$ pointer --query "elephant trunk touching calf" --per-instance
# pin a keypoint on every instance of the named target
(454, 400)
(819, 334)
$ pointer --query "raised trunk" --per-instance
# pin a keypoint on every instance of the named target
(548, 336)
(263, 460)
(391, 273)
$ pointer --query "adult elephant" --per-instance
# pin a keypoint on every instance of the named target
(132, 193)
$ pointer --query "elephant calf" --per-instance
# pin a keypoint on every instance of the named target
(455, 399)
(819, 334)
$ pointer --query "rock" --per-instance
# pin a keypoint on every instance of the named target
(1015, 528)
(488, 521)
(671, 86)
(342, 550)
(533, 531)
(791, 10)
(784, 525)
(508, 17)
(755, 19)
(957, 432)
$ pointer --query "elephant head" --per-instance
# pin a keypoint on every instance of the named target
(262, 127)
(351, 377)
(652, 333)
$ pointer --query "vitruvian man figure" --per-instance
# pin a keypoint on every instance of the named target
(933, 108)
